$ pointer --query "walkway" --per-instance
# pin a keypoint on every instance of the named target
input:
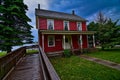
(27, 69)
(103, 62)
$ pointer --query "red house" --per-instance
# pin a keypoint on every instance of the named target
(58, 31)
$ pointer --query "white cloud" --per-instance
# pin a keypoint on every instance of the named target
(91, 17)
(32, 4)
(112, 13)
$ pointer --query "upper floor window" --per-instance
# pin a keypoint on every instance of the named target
(79, 26)
(50, 24)
(66, 25)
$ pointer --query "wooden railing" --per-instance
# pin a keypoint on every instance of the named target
(48, 71)
(8, 62)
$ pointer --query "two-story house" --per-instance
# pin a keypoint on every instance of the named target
(58, 31)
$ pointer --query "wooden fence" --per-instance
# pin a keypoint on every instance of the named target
(9, 61)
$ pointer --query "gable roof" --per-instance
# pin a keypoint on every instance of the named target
(57, 15)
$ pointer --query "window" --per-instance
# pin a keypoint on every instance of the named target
(79, 26)
(66, 25)
(50, 24)
(51, 41)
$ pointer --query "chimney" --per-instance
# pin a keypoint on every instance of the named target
(38, 6)
(73, 12)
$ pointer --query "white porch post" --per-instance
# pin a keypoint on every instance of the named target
(93, 41)
(43, 42)
(64, 41)
(81, 43)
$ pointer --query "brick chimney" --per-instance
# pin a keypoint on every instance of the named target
(73, 12)
(38, 6)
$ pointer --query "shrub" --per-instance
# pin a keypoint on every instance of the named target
(67, 53)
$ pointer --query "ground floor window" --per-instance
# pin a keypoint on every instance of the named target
(51, 41)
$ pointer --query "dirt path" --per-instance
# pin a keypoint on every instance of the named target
(101, 61)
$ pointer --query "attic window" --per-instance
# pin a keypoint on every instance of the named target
(79, 26)
(50, 24)
(66, 25)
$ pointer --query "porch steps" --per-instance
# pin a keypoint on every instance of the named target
(53, 54)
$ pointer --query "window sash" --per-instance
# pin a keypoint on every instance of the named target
(51, 41)
(66, 25)
(50, 24)
(79, 26)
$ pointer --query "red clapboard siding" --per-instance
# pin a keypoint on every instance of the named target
(75, 42)
(58, 44)
(58, 24)
(84, 39)
(42, 23)
(84, 26)
(73, 25)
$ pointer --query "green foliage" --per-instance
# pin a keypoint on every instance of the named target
(76, 68)
(108, 32)
(14, 27)
(3, 53)
(67, 53)
(31, 51)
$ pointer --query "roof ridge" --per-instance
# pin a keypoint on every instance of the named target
(56, 14)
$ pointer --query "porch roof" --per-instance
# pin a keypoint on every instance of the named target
(66, 32)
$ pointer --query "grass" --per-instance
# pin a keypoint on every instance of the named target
(76, 68)
(28, 51)
(109, 54)
(31, 51)
(3, 53)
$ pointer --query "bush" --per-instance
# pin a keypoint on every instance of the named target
(67, 53)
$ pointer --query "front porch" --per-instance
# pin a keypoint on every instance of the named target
(73, 40)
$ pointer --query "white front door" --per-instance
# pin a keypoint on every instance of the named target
(67, 42)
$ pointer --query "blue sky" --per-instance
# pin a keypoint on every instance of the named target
(87, 9)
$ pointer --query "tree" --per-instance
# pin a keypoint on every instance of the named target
(93, 27)
(109, 34)
(107, 31)
(101, 19)
(14, 27)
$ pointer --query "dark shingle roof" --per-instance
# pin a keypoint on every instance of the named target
(57, 15)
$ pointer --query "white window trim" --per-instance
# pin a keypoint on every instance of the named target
(48, 21)
(64, 24)
(80, 39)
(80, 26)
(53, 41)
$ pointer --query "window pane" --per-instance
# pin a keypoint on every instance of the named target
(79, 26)
(51, 41)
(50, 24)
(66, 26)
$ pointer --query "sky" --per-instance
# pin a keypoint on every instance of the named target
(87, 9)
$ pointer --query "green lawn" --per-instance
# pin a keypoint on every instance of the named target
(31, 51)
(109, 54)
(28, 51)
(76, 68)
(3, 53)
